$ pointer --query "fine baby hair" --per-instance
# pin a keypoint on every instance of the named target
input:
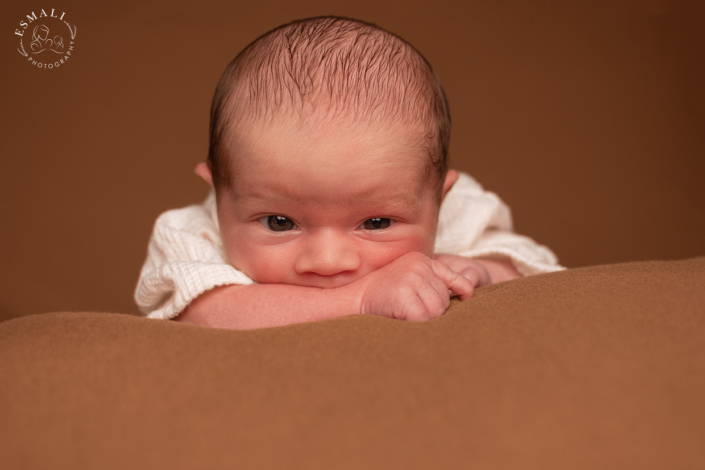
(329, 67)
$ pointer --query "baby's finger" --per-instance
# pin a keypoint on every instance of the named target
(435, 302)
(414, 309)
(440, 287)
(472, 275)
(455, 282)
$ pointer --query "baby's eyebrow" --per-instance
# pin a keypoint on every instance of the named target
(400, 201)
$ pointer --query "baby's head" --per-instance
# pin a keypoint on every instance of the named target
(328, 153)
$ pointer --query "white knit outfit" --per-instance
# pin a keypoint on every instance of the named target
(185, 256)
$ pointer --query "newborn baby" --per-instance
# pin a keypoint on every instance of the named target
(328, 158)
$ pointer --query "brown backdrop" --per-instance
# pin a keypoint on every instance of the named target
(585, 117)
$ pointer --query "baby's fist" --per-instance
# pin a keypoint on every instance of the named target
(412, 287)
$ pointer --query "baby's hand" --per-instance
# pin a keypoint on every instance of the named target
(475, 272)
(413, 287)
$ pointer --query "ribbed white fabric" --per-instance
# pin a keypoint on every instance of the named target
(185, 256)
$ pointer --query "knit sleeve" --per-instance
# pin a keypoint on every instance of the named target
(184, 260)
(477, 223)
(527, 256)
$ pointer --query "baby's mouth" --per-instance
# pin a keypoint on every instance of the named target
(326, 282)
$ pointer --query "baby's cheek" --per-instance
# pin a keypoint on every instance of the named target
(383, 254)
(243, 253)
(239, 255)
(236, 259)
(266, 264)
(267, 271)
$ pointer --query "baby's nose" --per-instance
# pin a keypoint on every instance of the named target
(328, 253)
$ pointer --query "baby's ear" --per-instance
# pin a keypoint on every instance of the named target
(451, 178)
(204, 171)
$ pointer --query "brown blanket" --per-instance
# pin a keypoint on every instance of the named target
(600, 367)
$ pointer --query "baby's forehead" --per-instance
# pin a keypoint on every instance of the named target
(342, 135)
(318, 150)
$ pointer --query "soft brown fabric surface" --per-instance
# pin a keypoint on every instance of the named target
(585, 116)
(597, 367)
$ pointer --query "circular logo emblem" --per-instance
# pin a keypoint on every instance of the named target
(46, 40)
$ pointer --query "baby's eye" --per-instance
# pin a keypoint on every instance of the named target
(377, 223)
(278, 223)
